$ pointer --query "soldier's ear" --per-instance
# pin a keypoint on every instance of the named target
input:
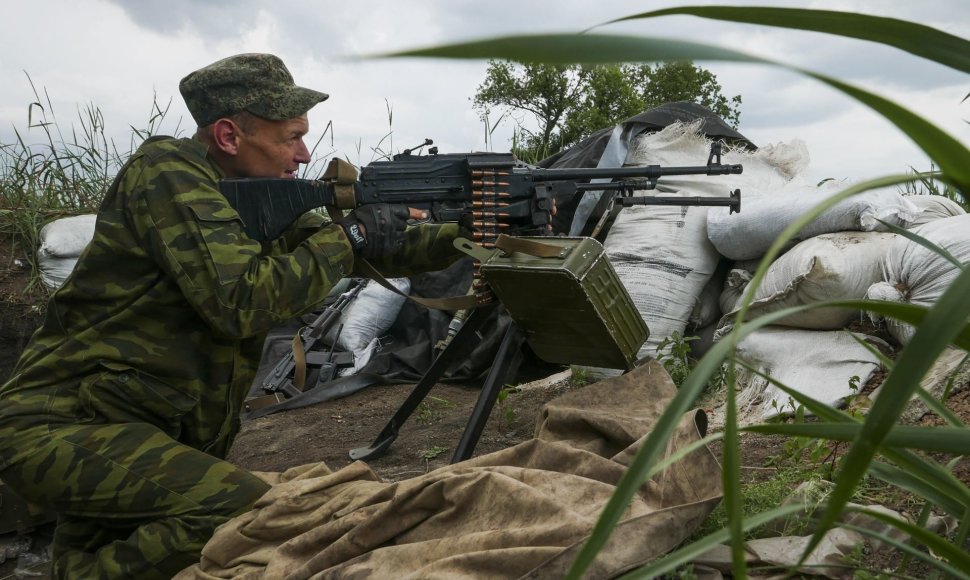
(225, 136)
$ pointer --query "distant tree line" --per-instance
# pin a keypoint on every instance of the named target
(570, 102)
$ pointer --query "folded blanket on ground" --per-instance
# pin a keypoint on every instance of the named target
(521, 512)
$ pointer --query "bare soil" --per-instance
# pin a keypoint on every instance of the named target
(328, 431)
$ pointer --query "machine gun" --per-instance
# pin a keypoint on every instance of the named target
(495, 191)
(495, 194)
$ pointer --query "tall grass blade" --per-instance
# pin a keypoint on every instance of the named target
(916, 39)
(671, 561)
(952, 553)
(953, 440)
(909, 550)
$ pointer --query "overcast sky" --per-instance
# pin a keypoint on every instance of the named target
(120, 55)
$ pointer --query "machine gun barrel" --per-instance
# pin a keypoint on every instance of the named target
(647, 171)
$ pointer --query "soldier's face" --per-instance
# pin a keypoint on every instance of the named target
(272, 148)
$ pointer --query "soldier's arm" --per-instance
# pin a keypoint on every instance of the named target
(197, 239)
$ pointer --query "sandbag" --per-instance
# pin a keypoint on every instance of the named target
(61, 243)
(749, 234)
(932, 207)
(913, 274)
(839, 266)
(369, 315)
(661, 253)
(818, 363)
(707, 308)
(67, 237)
(663, 258)
(733, 289)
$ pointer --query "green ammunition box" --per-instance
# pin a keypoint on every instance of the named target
(565, 295)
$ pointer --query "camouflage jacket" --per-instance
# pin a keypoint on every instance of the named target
(164, 316)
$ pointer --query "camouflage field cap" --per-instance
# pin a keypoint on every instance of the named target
(257, 83)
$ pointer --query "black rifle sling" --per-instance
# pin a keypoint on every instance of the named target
(339, 387)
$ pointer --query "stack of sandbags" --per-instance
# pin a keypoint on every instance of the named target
(61, 243)
(931, 208)
(842, 255)
(838, 266)
(662, 253)
(914, 274)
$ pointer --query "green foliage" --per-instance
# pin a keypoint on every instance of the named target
(580, 376)
(432, 409)
(930, 183)
(505, 405)
(674, 353)
(570, 102)
(823, 456)
(433, 452)
(762, 496)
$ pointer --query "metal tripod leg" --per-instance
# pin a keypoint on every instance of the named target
(506, 364)
(461, 345)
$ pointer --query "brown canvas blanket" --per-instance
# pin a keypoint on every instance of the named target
(521, 512)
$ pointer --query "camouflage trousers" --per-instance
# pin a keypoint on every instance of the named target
(131, 501)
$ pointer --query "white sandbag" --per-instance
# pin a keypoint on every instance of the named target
(680, 144)
(839, 266)
(662, 256)
(913, 274)
(61, 242)
(661, 253)
(361, 358)
(749, 234)
(66, 237)
(932, 207)
(54, 271)
(818, 363)
(369, 315)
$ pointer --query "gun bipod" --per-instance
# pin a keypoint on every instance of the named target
(461, 345)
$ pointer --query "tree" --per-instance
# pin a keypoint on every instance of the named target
(569, 103)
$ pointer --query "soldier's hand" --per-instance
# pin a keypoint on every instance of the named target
(377, 230)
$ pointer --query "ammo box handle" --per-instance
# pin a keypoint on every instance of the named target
(530, 247)
(510, 244)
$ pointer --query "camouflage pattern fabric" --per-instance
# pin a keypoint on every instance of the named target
(146, 355)
(149, 503)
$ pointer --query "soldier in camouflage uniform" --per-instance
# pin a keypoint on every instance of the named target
(127, 398)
